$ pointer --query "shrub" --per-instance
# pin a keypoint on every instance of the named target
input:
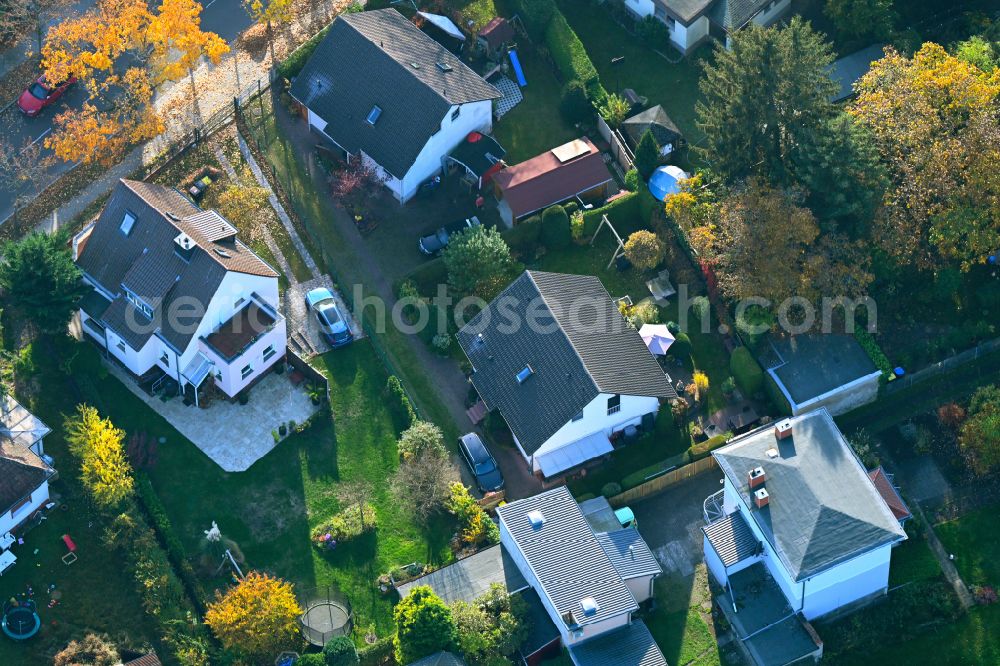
(864, 447)
(312, 659)
(441, 343)
(614, 109)
(570, 56)
(556, 232)
(94, 650)
(536, 15)
(378, 654)
(475, 526)
(681, 347)
(418, 438)
(624, 212)
(574, 103)
(652, 31)
(340, 651)
(348, 524)
(571, 207)
(644, 249)
(403, 414)
(728, 386)
(701, 307)
(632, 180)
(753, 323)
(875, 353)
(699, 451)
(428, 276)
(611, 489)
(424, 625)
(647, 154)
(746, 371)
(576, 225)
(525, 236)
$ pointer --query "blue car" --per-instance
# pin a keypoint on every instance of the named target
(335, 329)
(481, 462)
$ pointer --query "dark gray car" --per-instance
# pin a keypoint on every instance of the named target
(481, 462)
(437, 241)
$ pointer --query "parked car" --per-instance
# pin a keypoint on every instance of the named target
(335, 329)
(481, 462)
(437, 241)
(40, 94)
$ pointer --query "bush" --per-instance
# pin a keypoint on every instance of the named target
(536, 15)
(428, 276)
(746, 371)
(699, 451)
(576, 225)
(681, 347)
(753, 323)
(571, 207)
(652, 31)
(312, 659)
(647, 154)
(475, 526)
(701, 307)
(574, 104)
(441, 343)
(556, 232)
(418, 438)
(293, 64)
(632, 180)
(570, 56)
(875, 353)
(624, 212)
(644, 249)
(403, 414)
(611, 489)
(525, 236)
(340, 651)
(378, 654)
(348, 524)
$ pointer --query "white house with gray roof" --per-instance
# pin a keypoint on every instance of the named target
(384, 92)
(797, 500)
(176, 295)
(582, 578)
(568, 374)
(691, 22)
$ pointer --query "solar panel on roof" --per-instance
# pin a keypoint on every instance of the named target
(571, 150)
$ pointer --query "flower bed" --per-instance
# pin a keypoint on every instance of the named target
(349, 524)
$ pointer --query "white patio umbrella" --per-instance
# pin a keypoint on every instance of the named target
(657, 338)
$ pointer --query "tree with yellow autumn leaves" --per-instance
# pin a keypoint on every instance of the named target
(104, 469)
(259, 617)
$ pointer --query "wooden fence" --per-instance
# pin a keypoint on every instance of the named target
(662, 482)
(619, 149)
(313, 375)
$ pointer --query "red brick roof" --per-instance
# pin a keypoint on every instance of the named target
(889, 494)
(543, 180)
(496, 32)
(145, 660)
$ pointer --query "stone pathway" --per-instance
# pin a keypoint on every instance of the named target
(947, 566)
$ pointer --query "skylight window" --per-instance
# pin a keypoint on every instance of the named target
(374, 114)
(127, 223)
(444, 67)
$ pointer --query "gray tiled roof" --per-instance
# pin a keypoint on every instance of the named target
(471, 577)
(823, 508)
(632, 645)
(566, 557)
(629, 553)
(144, 261)
(366, 60)
(439, 659)
(734, 14)
(686, 10)
(732, 539)
(577, 343)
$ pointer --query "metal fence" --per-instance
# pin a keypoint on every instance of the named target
(950, 363)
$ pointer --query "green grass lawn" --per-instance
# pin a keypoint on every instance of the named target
(675, 86)
(913, 560)
(535, 125)
(975, 542)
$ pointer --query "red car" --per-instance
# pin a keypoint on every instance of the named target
(40, 95)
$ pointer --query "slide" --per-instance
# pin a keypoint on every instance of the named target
(517, 68)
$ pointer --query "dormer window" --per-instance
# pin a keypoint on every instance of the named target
(373, 115)
(614, 404)
(139, 304)
(128, 221)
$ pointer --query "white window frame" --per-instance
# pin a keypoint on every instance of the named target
(246, 371)
(269, 352)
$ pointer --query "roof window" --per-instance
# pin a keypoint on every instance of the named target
(444, 67)
(128, 221)
(374, 114)
(523, 375)
(536, 519)
(589, 606)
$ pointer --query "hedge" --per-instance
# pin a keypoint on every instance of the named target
(875, 353)
(571, 57)
(400, 407)
(428, 276)
(524, 236)
(624, 212)
(746, 371)
(536, 16)
(778, 398)
(378, 654)
(290, 67)
(556, 232)
(638, 477)
(699, 451)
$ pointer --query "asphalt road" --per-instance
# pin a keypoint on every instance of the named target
(226, 18)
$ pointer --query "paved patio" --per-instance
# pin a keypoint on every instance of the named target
(234, 436)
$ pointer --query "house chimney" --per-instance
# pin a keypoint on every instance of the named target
(756, 477)
(783, 429)
(761, 498)
(184, 246)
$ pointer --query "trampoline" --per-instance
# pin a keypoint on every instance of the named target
(20, 621)
(326, 615)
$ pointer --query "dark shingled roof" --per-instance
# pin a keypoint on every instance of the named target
(366, 60)
(656, 120)
(823, 509)
(734, 14)
(566, 557)
(686, 10)
(632, 645)
(812, 364)
(471, 577)
(21, 470)
(847, 70)
(144, 261)
(439, 659)
(578, 346)
(629, 553)
(732, 539)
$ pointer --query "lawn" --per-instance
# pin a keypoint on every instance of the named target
(680, 622)
(975, 542)
(535, 125)
(673, 85)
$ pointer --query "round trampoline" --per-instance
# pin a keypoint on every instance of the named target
(20, 621)
(326, 615)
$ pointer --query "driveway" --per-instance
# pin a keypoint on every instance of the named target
(303, 329)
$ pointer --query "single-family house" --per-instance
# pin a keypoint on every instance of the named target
(176, 296)
(848, 70)
(580, 578)
(799, 531)
(690, 22)
(655, 120)
(575, 170)
(815, 370)
(25, 470)
(384, 92)
(568, 374)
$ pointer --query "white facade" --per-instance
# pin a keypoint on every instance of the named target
(844, 398)
(20, 512)
(235, 292)
(686, 37)
(641, 587)
(569, 637)
(771, 13)
(864, 575)
(458, 122)
(594, 418)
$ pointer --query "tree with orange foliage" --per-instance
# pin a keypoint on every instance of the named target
(258, 618)
(178, 41)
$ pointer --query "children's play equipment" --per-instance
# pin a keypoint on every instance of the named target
(20, 621)
(518, 72)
